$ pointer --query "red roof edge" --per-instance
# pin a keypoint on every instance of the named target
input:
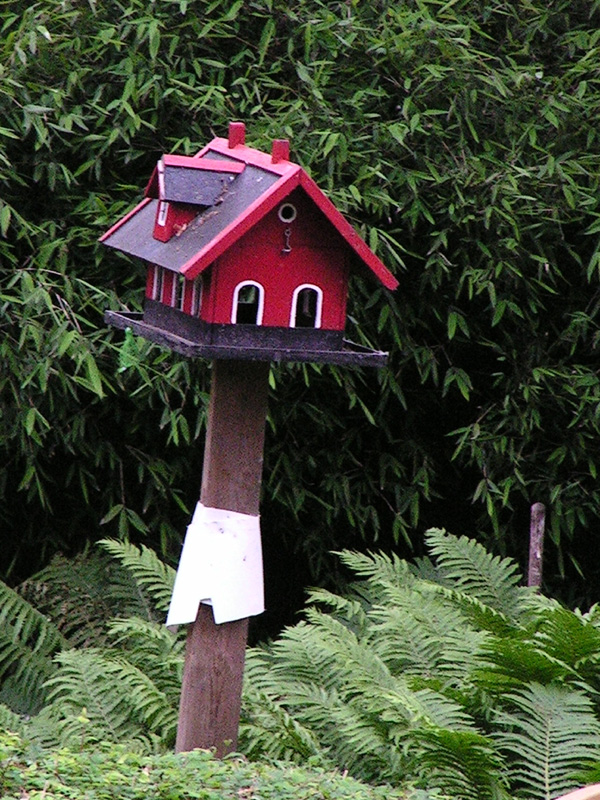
(253, 214)
(192, 162)
(151, 189)
(249, 155)
(360, 247)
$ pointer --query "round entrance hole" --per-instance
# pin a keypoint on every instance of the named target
(287, 213)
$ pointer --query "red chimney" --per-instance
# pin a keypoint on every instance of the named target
(237, 134)
(280, 150)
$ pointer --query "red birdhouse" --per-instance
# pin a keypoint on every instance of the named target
(246, 258)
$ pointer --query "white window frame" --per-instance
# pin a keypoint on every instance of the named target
(319, 310)
(163, 210)
(180, 283)
(157, 283)
(173, 294)
(261, 301)
(196, 297)
(161, 179)
(163, 206)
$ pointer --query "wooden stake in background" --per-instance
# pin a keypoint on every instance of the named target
(213, 671)
(536, 544)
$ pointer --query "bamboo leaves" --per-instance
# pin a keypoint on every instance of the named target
(460, 138)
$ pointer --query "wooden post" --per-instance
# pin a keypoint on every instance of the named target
(536, 544)
(209, 709)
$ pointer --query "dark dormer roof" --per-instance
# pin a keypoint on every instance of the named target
(193, 181)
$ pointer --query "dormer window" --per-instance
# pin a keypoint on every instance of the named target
(185, 187)
(163, 210)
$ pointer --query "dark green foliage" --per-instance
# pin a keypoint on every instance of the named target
(28, 641)
(460, 138)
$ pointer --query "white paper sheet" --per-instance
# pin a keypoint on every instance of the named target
(220, 564)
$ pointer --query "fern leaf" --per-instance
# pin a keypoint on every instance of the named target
(150, 573)
(378, 567)
(80, 594)
(149, 705)
(550, 733)
(152, 649)
(267, 730)
(10, 721)
(570, 639)
(28, 642)
(422, 635)
(464, 764)
(348, 608)
(27, 625)
(491, 580)
(89, 701)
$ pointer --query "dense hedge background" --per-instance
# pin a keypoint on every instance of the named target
(460, 138)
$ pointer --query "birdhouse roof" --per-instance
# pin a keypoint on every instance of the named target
(234, 186)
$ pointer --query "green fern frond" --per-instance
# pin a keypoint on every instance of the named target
(404, 643)
(350, 609)
(593, 615)
(302, 652)
(491, 580)
(28, 643)
(421, 634)
(570, 639)
(351, 735)
(424, 569)
(80, 594)
(421, 707)
(23, 675)
(549, 733)
(377, 567)
(479, 615)
(10, 721)
(27, 625)
(267, 730)
(154, 650)
(89, 700)
(150, 573)
(509, 663)
(464, 764)
(156, 712)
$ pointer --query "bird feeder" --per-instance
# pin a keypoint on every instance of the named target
(247, 262)
(246, 258)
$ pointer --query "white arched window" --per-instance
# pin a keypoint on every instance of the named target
(307, 305)
(248, 303)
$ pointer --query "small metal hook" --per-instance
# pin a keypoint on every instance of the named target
(287, 233)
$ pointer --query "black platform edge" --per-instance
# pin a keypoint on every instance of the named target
(351, 355)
